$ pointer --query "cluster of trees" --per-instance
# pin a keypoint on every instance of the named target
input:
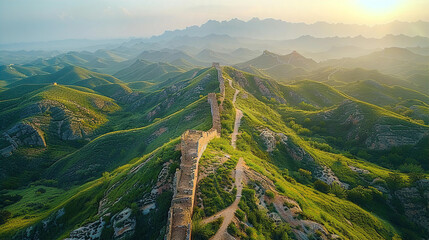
(6, 199)
(4, 216)
(299, 129)
(205, 232)
(360, 195)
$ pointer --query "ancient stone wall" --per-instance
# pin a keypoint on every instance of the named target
(215, 112)
(221, 81)
(193, 143)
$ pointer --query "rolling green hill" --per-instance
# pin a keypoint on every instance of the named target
(46, 122)
(279, 67)
(169, 56)
(83, 165)
(398, 61)
(12, 73)
(70, 75)
(380, 94)
(338, 153)
(144, 71)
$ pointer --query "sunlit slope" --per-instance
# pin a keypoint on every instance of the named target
(316, 206)
(99, 156)
(66, 210)
(380, 94)
(143, 70)
(70, 75)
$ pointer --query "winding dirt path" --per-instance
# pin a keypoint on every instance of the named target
(332, 73)
(238, 116)
(228, 213)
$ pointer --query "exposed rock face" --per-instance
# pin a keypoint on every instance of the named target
(265, 91)
(66, 124)
(240, 79)
(415, 203)
(22, 134)
(90, 231)
(270, 138)
(48, 225)
(287, 209)
(166, 98)
(358, 170)
(328, 176)
(296, 97)
(262, 88)
(147, 202)
(123, 224)
(384, 137)
(350, 115)
(380, 133)
(55, 118)
(321, 172)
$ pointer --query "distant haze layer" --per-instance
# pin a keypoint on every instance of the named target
(26, 20)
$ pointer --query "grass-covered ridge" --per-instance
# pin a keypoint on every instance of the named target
(99, 156)
(343, 214)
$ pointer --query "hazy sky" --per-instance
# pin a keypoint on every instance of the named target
(41, 20)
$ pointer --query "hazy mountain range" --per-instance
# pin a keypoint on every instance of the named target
(280, 30)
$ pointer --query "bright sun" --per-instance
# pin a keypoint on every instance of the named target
(379, 6)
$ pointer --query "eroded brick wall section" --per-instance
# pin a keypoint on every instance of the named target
(215, 112)
(221, 82)
(193, 143)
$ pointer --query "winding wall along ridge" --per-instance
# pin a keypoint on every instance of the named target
(193, 143)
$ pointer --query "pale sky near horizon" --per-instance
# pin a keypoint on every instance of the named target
(43, 20)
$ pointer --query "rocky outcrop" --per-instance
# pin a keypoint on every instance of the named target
(270, 138)
(48, 226)
(123, 224)
(326, 175)
(358, 170)
(22, 134)
(88, 232)
(167, 97)
(364, 125)
(287, 209)
(321, 172)
(67, 122)
(385, 136)
(415, 203)
(239, 78)
(265, 91)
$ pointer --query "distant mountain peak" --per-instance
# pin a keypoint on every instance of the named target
(275, 29)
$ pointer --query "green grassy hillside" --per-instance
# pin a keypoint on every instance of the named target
(12, 73)
(398, 61)
(68, 76)
(143, 70)
(98, 156)
(338, 211)
(338, 153)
